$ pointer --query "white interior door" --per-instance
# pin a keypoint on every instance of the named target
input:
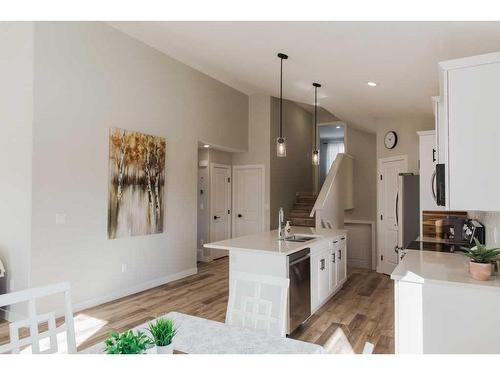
(220, 206)
(248, 200)
(389, 170)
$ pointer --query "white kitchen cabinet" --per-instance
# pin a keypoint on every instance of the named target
(440, 309)
(333, 279)
(328, 270)
(341, 262)
(427, 170)
(470, 123)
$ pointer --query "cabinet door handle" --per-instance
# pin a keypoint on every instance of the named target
(433, 155)
(335, 241)
(322, 264)
(333, 258)
(340, 254)
(240, 215)
(216, 217)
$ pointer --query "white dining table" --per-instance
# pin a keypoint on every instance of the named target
(202, 336)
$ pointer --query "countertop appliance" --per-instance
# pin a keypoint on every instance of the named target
(407, 209)
(299, 292)
(473, 229)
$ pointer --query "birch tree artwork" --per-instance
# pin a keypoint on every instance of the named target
(136, 183)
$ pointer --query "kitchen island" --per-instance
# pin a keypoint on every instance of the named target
(441, 309)
(264, 254)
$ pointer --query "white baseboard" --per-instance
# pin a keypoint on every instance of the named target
(133, 289)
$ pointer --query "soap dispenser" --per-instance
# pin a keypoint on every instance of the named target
(288, 228)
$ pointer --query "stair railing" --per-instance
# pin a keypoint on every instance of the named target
(336, 194)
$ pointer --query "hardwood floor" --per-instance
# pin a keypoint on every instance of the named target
(362, 311)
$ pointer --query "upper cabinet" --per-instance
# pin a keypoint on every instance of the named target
(468, 131)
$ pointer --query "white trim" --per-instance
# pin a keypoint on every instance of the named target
(426, 132)
(233, 211)
(488, 58)
(133, 289)
(404, 158)
(373, 239)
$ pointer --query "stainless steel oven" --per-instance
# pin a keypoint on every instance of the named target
(299, 292)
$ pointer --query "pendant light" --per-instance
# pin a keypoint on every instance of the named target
(315, 152)
(280, 141)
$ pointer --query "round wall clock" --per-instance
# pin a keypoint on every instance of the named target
(390, 139)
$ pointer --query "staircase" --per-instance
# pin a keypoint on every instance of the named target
(299, 215)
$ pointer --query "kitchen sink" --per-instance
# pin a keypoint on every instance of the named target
(298, 238)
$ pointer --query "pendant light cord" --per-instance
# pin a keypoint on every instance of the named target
(281, 98)
(315, 117)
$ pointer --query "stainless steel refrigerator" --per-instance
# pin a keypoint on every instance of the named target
(407, 209)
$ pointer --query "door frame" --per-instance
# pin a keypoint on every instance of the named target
(228, 198)
(380, 161)
(263, 187)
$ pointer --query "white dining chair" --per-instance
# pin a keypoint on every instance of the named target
(251, 304)
(30, 296)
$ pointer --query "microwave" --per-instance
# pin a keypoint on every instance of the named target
(440, 185)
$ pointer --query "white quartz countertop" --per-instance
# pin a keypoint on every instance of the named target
(419, 266)
(268, 241)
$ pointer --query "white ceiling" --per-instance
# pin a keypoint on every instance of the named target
(401, 56)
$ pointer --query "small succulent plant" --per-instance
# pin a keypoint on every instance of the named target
(127, 343)
(481, 254)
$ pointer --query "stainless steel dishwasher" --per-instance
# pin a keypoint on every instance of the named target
(299, 293)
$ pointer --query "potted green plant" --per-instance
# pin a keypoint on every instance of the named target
(163, 332)
(481, 258)
(127, 343)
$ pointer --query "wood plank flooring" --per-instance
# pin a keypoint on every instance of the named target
(362, 311)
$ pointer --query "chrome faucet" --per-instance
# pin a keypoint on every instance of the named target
(281, 229)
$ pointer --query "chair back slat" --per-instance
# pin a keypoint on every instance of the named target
(30, 296)
(248, 307)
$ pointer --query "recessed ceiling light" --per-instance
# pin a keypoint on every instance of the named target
(371, 83)
(338, 126)
(206, 146)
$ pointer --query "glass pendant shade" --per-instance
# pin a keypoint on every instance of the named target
(281, 147)
(315, 157)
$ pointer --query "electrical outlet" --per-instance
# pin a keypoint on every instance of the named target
(124, 267)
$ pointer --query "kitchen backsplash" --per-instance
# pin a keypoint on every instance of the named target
(491, 222)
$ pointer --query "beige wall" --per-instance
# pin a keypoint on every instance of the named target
(259, 135)
(406, 130)
(90, 77)
(219, 157)
(362, 146)
(293, 173)
(16, 130)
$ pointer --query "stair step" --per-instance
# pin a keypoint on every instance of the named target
(306, 200)
(299, 213)
(306, 194)
(303, 206)
(302, 222)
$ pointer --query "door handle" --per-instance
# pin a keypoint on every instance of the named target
(240, 215)
(433, 188)
(433, 155)
(397, 201)
(216, 217)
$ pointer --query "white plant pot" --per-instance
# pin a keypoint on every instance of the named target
(169, 349)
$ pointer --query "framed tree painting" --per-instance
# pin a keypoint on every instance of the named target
(136, 183)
